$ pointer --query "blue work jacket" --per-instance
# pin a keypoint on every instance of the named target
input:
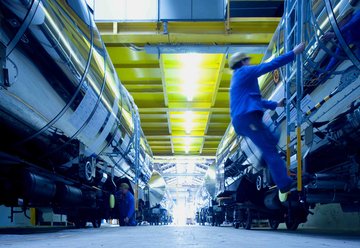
(245, 96)
(127, 205)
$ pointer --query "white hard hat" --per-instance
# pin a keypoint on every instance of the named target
(237, 57)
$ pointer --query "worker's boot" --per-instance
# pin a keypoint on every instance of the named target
(284, 192)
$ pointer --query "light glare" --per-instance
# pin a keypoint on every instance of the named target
(190, 72)
(189, 116)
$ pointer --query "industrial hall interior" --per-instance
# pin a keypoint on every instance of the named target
(176, 123)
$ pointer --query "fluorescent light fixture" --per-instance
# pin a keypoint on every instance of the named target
(190, 73)
(189, 78)
(187, 141)
(187, 145)
(190, 59)
(188, 116)
(189, 89)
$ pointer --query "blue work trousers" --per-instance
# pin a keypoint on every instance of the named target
(251, 125)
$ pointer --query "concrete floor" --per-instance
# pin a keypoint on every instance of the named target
(173, 236)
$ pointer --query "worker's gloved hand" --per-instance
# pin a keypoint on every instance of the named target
(299, 48)
(126, 220)
(282, 103)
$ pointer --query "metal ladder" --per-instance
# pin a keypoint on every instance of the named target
(293, 34)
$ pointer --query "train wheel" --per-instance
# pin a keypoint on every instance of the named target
(248, 221)
(259, 183)
(86, 171)
(274, 224)
(80, 223)
(292, 224)
(96, 223)
(237, 225)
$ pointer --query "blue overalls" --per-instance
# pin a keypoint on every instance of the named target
(247, 109)
(127, 209)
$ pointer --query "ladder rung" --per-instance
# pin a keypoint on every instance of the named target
(290, 103)
(292, 97)
(311, 41)
(292, 30)
(292, 8)
(291, 75)
(293, 142)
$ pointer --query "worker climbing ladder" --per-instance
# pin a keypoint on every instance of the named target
(294, 11)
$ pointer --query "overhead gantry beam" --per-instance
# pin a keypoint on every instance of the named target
(166, 101)
(242, 31)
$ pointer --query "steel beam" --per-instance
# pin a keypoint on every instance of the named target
(183, 109)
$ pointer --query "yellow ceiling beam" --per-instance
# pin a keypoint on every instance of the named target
(218, 79)
(241, 38)
(262, 24)
(154, 124)
(238, 25)
(138, 82)
(170, 130)
(198, 120)
(125, 54)
(182, 108)
(179, 142)
(166, 101)
(151, 117)
(243, 31)
(194, 133)
(200, 97)
(163, 81)
(215, 90)
(181, 114)
(158, 142)
(125, 57)
(136, 65)
(166, 137)
(189, 105)
(177, 88)
(136, 74)
(146, 88)
(206, 130)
